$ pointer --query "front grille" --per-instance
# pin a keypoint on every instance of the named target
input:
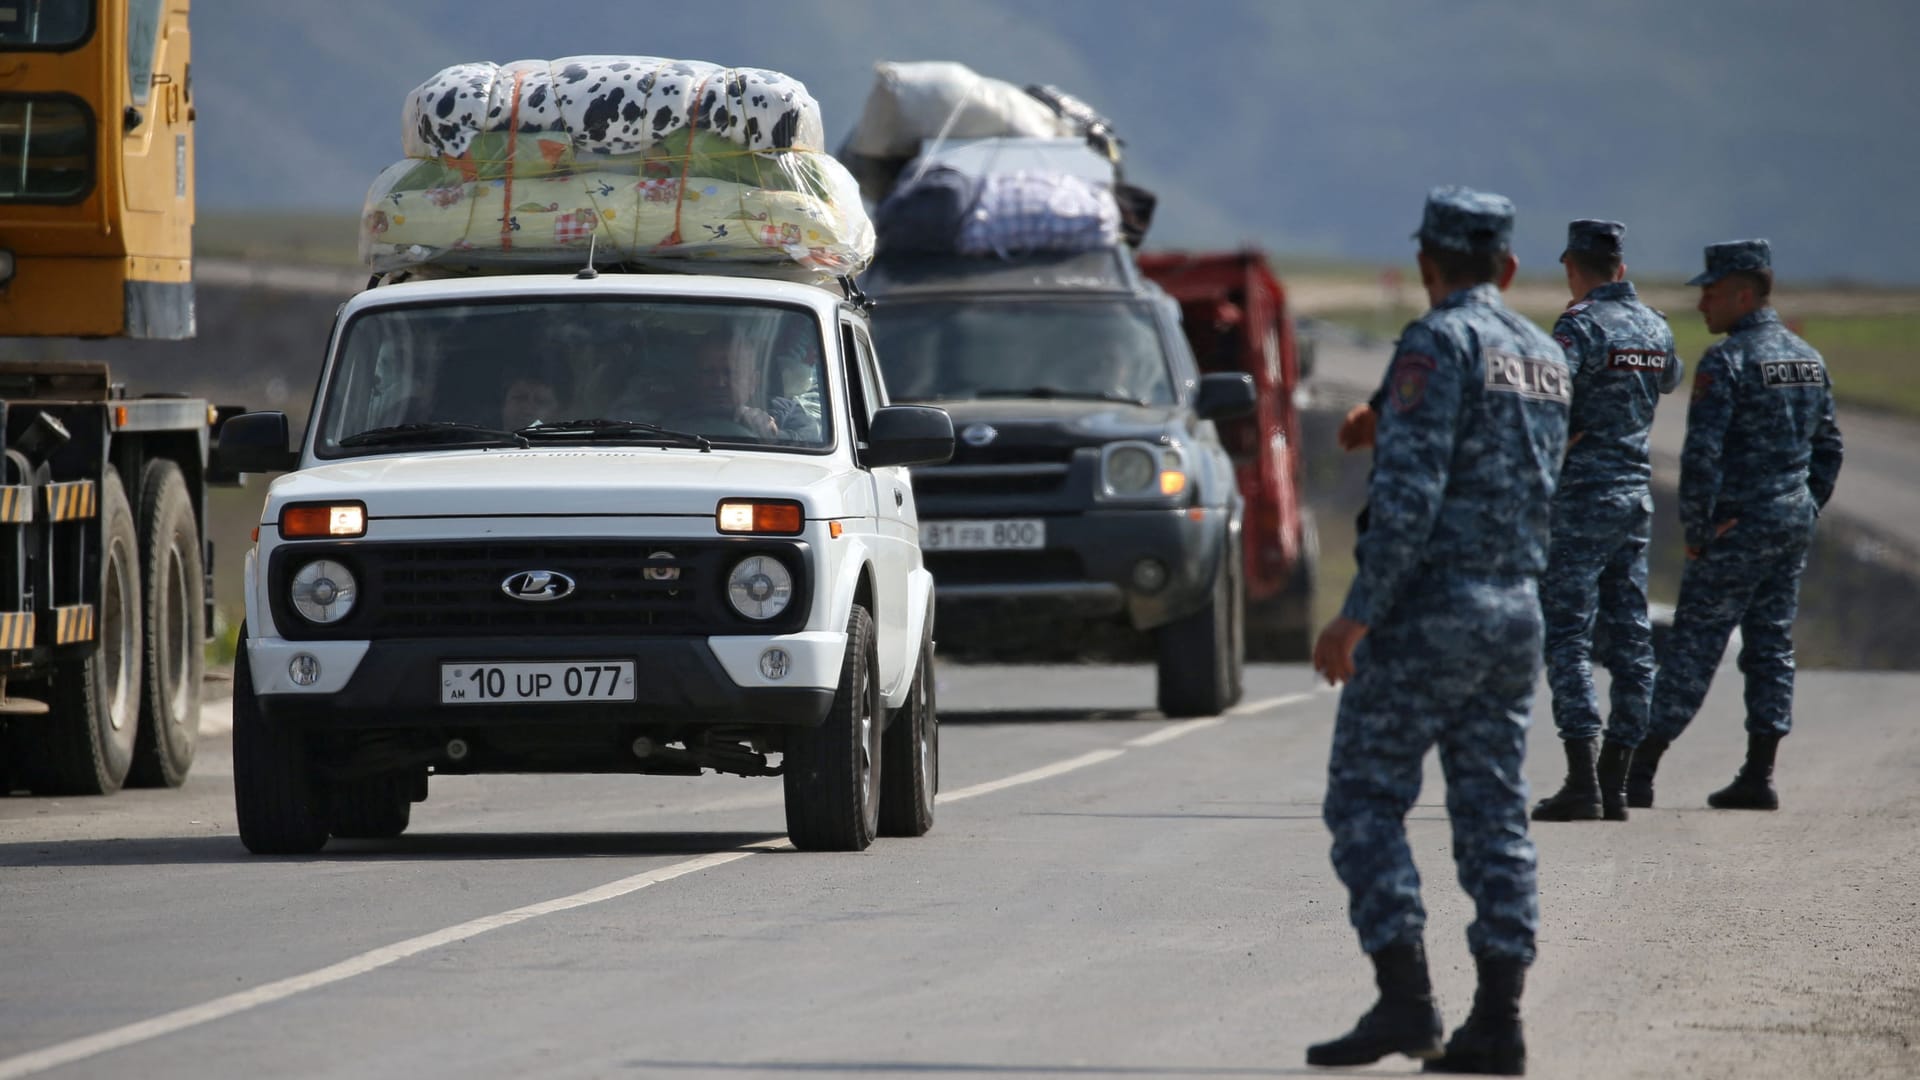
(623, 588)
(1002, 453)
(1003, 567)
(990, 480)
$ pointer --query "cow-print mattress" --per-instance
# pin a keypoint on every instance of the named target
(610, 105)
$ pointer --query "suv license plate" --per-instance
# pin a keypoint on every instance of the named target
(485, 683)
(1022, 534)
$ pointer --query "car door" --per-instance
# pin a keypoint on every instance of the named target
(896, 530)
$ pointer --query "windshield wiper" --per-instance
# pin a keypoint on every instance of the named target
(438, 431)
(596, 426)
(1064, 394)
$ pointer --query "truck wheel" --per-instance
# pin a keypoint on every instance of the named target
(911, 752)
(372, 807)
(832, 772)
(89, 733)
(281, 810)
(1281, 629)
(1203, 656)
(174, 628)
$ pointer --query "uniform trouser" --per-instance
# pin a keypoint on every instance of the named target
(1748, 578)
(1454, 664)
(1597, 573)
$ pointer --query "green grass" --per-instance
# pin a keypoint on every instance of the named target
(1874, 359)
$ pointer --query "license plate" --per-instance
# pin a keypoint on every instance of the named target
(484, 683)
(1022, 534)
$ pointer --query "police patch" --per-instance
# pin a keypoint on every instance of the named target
(1702, 382)
(1529, 376)
(1410, 373)
(1784, 374)
(1647, 360)
(1565, 340)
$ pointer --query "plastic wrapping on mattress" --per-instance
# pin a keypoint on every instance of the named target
(645, 162)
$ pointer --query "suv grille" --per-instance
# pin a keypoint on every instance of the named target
(622, 587)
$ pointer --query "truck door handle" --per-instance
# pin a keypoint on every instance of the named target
(899, 497)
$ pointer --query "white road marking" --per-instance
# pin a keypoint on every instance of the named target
(80, 1049)
(1269, 704)
(1044, 772)
(1174, 731)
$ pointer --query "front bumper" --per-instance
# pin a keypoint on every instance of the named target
(1087, 570)
(395, 684)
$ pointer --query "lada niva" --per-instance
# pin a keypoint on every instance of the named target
(579, 523)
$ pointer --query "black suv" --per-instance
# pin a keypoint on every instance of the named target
(1088, 485)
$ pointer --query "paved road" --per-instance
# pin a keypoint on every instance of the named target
(1876, 489)
(1105, 894)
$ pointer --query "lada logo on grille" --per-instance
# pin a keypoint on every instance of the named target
(538, 586)
(979, 434)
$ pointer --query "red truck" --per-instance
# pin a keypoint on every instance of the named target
(1234, 311)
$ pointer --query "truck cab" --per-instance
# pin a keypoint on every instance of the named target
(619, 522)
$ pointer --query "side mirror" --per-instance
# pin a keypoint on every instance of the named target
(254, 443)
(909, 435)
(1225, 395)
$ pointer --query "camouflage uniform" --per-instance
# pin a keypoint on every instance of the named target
(1621, 353)
(1470, 437)
(1763, 448)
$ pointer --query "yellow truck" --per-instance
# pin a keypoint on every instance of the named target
(104, 589)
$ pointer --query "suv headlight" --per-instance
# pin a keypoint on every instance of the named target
(323, 591)
(1141, 471)
(760, 587)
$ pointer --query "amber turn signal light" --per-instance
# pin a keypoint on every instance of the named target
(766, 518)
(312, 521)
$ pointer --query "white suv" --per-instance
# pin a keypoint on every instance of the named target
(589, 523)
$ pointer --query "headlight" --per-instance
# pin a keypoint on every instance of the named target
(759, 587)
(1131, 470)
(323, 591)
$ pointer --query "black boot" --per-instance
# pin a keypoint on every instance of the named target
(1753, 788)
(1615, 759)
(1489, 1043)
(1579, 798)
(1404, 1021)
(1646, 759)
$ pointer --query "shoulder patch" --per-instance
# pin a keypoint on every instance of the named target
(1702, 382)
(1410, 373)
(1565, 340)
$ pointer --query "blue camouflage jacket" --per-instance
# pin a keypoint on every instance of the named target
(1472, 428)
(1760, 426)
(1621, 353)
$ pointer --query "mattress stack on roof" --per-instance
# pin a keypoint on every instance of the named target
(643, 161)
(963, 164)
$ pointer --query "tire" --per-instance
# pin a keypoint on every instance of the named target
(1203, 656)
(87, 739)
(911, 754)
(1281, 628)
(373, 807)
(173, 625)
(280, 807)
(832, 772)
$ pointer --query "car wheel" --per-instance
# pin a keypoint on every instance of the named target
(832, 772)
(174, 628)
(87, 739)
(280, 807)
(912, 754)
(371, 807)
(1202, 655)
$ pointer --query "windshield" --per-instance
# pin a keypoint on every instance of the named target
(958, 350)
(566, 370)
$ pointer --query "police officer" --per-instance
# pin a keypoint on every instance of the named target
(1621, 354)
(1439, 640)
(1761, 458)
